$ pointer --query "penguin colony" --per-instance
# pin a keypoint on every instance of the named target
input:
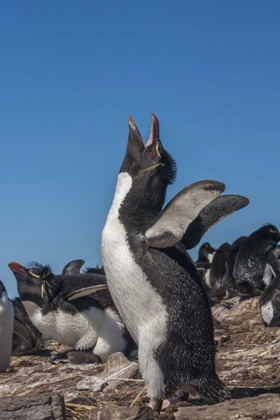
(149, 300)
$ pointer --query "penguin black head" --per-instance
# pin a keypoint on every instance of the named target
(35, 278)
(2, 288)
(268, 231)
(204, 251)
(149, 161)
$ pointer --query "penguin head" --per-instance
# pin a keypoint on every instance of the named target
(268, 231)
(149, 164)
(37, 277)
(225, 248)
(2, 289)
(205, 250)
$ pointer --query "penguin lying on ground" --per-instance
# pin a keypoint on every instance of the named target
(6, 328)
(152, 279)
(256, 263)
(269, 303)
(26, 336)
(75, 310)
(203, 263)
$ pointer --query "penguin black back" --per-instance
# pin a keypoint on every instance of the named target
(257, 254)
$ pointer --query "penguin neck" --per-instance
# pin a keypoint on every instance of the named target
(138, 206)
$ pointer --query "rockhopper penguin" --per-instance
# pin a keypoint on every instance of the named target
(6, 328)
(257, 263)
(153, 281)
(74, 309)
(203, 263)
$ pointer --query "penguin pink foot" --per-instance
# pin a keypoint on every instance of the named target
(179, 396)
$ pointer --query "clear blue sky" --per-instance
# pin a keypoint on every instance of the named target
(70, 74)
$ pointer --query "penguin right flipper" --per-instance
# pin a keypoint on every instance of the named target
(212, 214)
(86, 291)
(73, 267)
(174, 220)
(23, 331)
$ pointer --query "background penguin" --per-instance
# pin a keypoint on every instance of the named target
(269, 303)
(26, 336)
(6, 328)
(219, 270)
(203, 263)
(73, 267)
(153, 281)
(256, 262)
(76, 310)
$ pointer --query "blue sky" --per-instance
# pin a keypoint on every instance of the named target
(71, 72)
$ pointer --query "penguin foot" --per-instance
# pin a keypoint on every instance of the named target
(57, 356)
(156, 404)
(179, 396)
(78, 357)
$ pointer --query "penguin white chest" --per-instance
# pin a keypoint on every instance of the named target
(6, 330)
(72, 330)
(140, 306)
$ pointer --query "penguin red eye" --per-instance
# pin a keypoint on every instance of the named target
(151, 153)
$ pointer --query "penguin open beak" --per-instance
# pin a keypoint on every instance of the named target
(16, 267)
(154, 134)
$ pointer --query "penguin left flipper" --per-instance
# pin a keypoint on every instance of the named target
(172, 223)
(212, 214)
(73, 267)
(85, 291)
(22, 330)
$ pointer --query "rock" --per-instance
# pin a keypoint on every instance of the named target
(44, 406)
(93, 383)
(116, 361)
(113, 412)
(266, 406)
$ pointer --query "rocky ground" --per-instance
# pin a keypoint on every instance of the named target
(248, 358)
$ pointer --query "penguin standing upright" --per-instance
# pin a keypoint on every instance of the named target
(219, 271)
(269, 303)
(26, 336)
(256, 263)
(203, 263)
(74, 309)
(6, 328)
(152, 279)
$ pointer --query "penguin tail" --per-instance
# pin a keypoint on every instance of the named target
(213, 390)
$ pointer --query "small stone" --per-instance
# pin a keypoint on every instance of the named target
(93, 383)
(113, 412)
(116, 361)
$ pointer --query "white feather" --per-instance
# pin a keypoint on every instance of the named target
(140, 307)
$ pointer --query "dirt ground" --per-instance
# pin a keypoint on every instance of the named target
(247, 362)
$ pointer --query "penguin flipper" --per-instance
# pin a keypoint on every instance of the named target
(24, 332)
(85, 291)
(173, 221)
(212, 214)
(73, 267)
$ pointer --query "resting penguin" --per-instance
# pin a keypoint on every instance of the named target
(256, 262)
(75, 266)
(152, 279)
(6, 328)
(75, 310)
